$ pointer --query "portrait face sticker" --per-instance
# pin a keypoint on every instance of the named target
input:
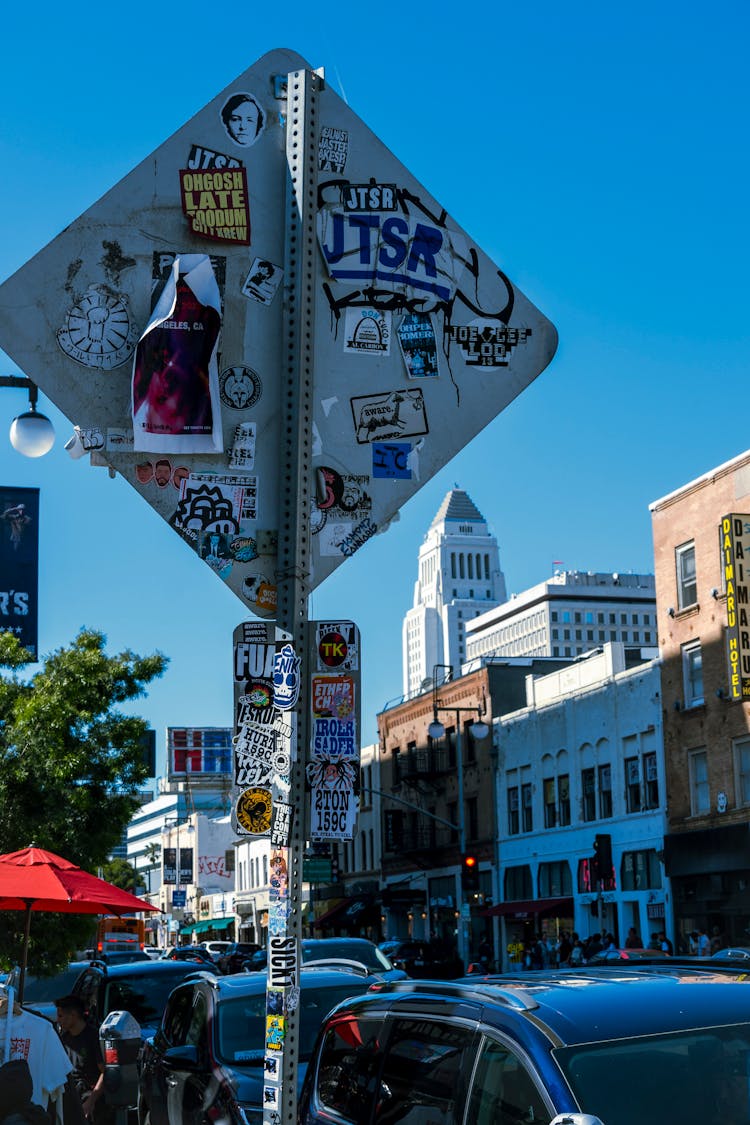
(243, 119)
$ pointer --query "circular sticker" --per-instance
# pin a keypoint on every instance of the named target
(240, 387)
(258, 694)
(332, 649)
(254, 808)
(281, 761)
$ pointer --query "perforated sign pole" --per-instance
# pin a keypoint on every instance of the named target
(294, 534)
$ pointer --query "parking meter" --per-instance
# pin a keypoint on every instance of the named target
(120, 1037)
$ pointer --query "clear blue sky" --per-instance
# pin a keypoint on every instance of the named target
(598, 153)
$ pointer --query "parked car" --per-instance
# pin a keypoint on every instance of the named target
(608, 955)
(40, 993)
(651, 1043)
(732, 953)
(188, 953)
(233, 959)
(139, 987)
(123, 957)
(205, 1062)
(216, 948)
(354, 950)
(153, 951)
(421, 959)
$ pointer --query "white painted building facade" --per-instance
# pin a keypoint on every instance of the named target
(584, 758)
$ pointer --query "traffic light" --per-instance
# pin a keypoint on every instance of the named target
(470, 874)
(601, 864)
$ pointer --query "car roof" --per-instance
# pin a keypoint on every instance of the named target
(580, 1006)
(148, 968)
(250, 984)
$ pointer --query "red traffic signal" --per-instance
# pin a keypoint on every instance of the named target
(470, 874)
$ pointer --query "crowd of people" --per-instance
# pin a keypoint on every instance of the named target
(569, 949)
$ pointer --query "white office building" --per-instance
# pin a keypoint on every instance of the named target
(459, 578)
(569, 614)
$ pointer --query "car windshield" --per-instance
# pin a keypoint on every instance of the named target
(368, 955)
(144, 996)
(691, 1077)
(38, 989)
(242, 1023)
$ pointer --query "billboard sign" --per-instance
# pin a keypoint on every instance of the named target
(19, 564)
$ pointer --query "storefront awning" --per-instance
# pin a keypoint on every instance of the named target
(210, 924)
(353, 911)
(532, 908)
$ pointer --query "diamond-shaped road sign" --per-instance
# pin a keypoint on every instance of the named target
(155, 323)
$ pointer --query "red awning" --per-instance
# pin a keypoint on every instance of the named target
(532, 907)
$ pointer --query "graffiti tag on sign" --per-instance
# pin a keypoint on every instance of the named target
(391, 460)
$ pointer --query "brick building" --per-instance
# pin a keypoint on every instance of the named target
(701, 607)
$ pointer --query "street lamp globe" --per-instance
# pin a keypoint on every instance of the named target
(32, 433)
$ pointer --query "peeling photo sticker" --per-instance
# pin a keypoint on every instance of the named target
(282, 962)
(281, 824)
(337, 645)
(201, 158)
(271, 1067)
(487, 343)
(242, 453)
(286, 683)
(213, 548)
(332, 696)
(162, 262)
(275, 1032)
(390, 460)
(292, 998)
(333, 149)
(243, 119)
(240, 387)
(253, 811)
(389, 415)
(216, 205)
(263, 281)
(98, 330)
(274, 1002)
(367, 331)
(416, 337)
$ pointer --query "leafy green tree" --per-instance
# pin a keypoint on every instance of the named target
(71, 763)
(122, 874)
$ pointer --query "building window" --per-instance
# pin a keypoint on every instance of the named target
(687, 587)
(472, 819)
(742, 768)
(605, 791)
(651, 788)
(550, 808)
(692, 671)
(640, 871)
(577, 618)
(517, 883)
(632, 785)
(526, 807)
(700, 800)
(588, 789)
(553, 615)
(563, 799)
(555, 633)
(513, 822)
(555, 880)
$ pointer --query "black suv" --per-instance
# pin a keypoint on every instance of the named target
(139, 987)
(657, 1044)
(206, 1061)
(233, 959)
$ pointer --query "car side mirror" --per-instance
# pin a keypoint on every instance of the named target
(182, 1058)
(576, 1119)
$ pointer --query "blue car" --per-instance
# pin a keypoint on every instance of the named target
(655, 1045)
(205, 1062)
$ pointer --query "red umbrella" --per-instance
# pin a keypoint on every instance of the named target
(34, 879)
